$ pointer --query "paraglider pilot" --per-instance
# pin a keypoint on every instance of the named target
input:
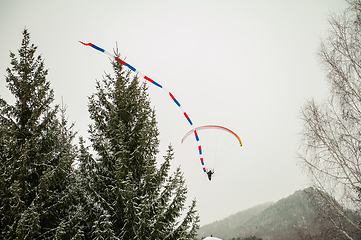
(210, 173)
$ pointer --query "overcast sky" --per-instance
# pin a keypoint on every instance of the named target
(249, 65)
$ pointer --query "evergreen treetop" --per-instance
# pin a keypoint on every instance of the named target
(36, 152)
(138, 200)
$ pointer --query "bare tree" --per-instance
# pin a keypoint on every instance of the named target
(331, 135)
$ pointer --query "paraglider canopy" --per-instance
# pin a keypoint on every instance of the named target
(219, 144)
(213, 127)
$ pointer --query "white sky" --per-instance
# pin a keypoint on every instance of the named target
(248, 65)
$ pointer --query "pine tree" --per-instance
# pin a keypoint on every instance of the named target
(36, 153)
(90, 219)
(136, 199)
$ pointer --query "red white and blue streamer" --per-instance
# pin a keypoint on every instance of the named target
(158, 85)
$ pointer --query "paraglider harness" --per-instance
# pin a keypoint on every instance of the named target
(210, 173)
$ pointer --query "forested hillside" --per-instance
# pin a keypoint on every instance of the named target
(293, 217)
(233, 222)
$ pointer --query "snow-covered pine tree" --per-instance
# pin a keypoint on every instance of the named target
(89, 219)
(36, 153)
(137, 199)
